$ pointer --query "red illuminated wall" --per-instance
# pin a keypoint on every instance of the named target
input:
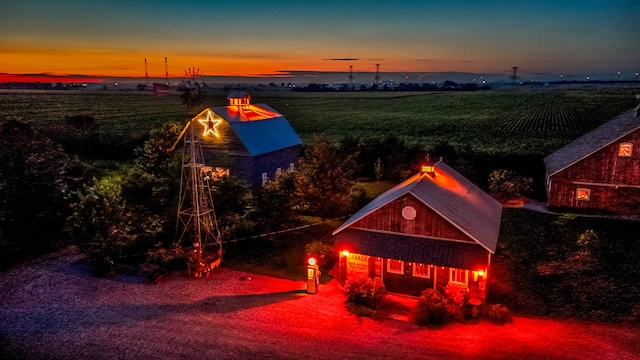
(614, 181)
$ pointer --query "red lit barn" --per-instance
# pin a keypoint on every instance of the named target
(250, 141)
(432, 230)
(599, 171)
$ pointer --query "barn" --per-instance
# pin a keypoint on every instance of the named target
(433, 230)
(600, 171)
(250, 141)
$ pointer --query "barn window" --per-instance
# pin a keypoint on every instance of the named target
(395, 266)
(626, 149)
(265, 178)
(583, 194)
(458, 276)
(422, 270)
(278, 172)
(409, 213)
(292, 166)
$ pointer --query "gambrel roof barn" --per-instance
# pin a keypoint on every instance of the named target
(253, 141)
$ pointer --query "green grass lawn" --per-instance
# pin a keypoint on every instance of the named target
(282, 255)
(542, 267)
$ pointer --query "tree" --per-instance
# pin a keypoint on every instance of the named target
(232, 203)
(36, 178)
(324, 181)
(275, 202)
(103, 225)
(508, 185)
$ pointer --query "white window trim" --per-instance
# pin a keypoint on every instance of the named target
(391, 271)
(466, 277)
(623, 145)
(265, 178)
(415, 274)
(587, 191)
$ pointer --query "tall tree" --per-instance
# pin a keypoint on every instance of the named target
(36, 178)
(324, 180)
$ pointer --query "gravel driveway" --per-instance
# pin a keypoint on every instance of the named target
(53, 308)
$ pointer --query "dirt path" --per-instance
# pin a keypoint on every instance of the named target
(53, 309)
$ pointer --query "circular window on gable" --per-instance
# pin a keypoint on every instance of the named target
(408, 212)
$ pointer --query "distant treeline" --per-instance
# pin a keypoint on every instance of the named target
(40, 86)
(447, 85)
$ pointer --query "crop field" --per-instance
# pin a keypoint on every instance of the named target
(521, 121)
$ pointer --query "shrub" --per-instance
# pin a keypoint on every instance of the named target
(365, 291)
(431, 309)
(508, 185)
(496, 313)
(436, 308)
(324, 252)
(453, 299)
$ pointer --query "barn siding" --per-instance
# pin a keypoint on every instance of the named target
(614, 180)
(270, 162)
(227, 151)
(604, 199)
(605, 166)
(227, 142)
(427, 222)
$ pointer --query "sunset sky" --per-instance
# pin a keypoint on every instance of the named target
(266, 38)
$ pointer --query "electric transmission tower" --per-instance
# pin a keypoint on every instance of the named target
(515, 76)
(377, 74)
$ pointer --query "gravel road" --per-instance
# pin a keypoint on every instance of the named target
(53, 308)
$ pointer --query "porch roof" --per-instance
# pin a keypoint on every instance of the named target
(437, 252)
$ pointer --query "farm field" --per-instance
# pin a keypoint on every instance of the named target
(516, 121)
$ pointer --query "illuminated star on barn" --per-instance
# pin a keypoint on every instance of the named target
(210, 125)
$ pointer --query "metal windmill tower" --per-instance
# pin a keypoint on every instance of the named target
(196, 223)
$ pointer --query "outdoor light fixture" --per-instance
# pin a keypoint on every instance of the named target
(210, 125)
(312, 261)
(345, 253)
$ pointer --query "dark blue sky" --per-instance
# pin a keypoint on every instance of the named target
(112, 38)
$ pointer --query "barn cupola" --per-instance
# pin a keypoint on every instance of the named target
(428, 168)
(239, 98)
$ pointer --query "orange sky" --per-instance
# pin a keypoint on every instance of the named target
(262, 38)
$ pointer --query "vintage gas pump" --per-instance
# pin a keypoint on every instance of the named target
(313, 276)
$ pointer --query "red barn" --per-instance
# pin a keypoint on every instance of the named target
(599, 171)
(434, 229)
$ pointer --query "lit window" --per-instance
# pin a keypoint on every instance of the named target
(422, 270)
(265, 178)
(583, 194)
(458, 276)
(395, 266)
(626, 149)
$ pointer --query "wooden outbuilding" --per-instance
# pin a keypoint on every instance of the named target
(600, 171)
(433, 230)
(250, 141)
